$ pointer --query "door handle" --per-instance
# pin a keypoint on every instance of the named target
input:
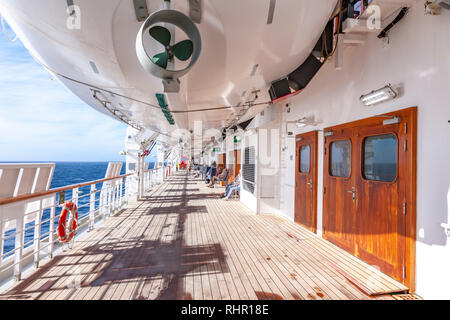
(309, 183)
(353, 192)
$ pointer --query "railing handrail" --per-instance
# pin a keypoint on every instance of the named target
(26, 165)
(29, 196)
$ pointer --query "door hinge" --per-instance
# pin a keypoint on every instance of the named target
(324, 190)
(406, 127)
(404, 272)
(405, 146)
(404, 208)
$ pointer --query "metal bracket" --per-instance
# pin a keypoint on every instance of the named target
(195, 10)
(140, 7)
(392, 120)
(171, 85)
(61, 197)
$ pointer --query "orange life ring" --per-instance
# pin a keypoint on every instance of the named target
(67, 236)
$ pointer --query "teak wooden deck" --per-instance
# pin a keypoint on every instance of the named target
(183, 242)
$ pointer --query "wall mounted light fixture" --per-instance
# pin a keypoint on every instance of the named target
(377, 96)
(305, 121)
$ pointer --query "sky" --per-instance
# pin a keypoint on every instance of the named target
(41, 120)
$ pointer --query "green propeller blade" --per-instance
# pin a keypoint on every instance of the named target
(161, 34)
(161, 59)
(183, 50)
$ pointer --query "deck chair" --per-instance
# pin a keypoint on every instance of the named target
(19, 179)
(225, 179)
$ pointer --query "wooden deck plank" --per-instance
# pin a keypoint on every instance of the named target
(259, 262)
(183, 242)
(319, 277)
(52, 274)
(249, 274)
(360, 270)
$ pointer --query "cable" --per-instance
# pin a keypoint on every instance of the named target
(338, 31)
(92, 87)
(6, 33)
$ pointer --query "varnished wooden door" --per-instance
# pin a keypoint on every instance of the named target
(306, 180)
(380, 225)
(221, 161)
(237, 160)
(339, 206)
(381, 222)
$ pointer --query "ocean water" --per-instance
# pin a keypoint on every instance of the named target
(66, 173)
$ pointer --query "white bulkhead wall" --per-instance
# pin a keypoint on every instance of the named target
(263, 133)
(418, 60)
(249, 139)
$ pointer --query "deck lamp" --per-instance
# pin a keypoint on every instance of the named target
(305, 121)
(377, 96)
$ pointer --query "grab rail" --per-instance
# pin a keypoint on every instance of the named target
(113, 197)
(56, 190)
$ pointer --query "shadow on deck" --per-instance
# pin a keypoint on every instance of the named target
(186, 243)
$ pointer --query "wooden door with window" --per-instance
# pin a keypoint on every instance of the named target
(306, 180)
(371, 213)
(339, 219)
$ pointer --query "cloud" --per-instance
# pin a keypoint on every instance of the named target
(41, 120)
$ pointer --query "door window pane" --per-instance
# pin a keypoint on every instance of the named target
(380, 158)
(340, 158)
(304, 159)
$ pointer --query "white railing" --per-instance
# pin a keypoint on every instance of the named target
(112, 197)
(31, 244)
(155, 176)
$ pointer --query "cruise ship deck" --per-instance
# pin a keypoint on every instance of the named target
(183, 242)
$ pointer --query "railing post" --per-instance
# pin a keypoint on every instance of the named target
(109, 200)
(116, 195)
(101, 202)
(104, 201)
(19, 249)
(37, 235)
(92, 208)
(51, 235)
(120, 193)
(113, 197)
(75, 193)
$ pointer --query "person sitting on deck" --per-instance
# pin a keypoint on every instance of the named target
(222, 176)
(203, 170)
(211, 172)
(233, 187)
(197, 169)
(207, 173)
